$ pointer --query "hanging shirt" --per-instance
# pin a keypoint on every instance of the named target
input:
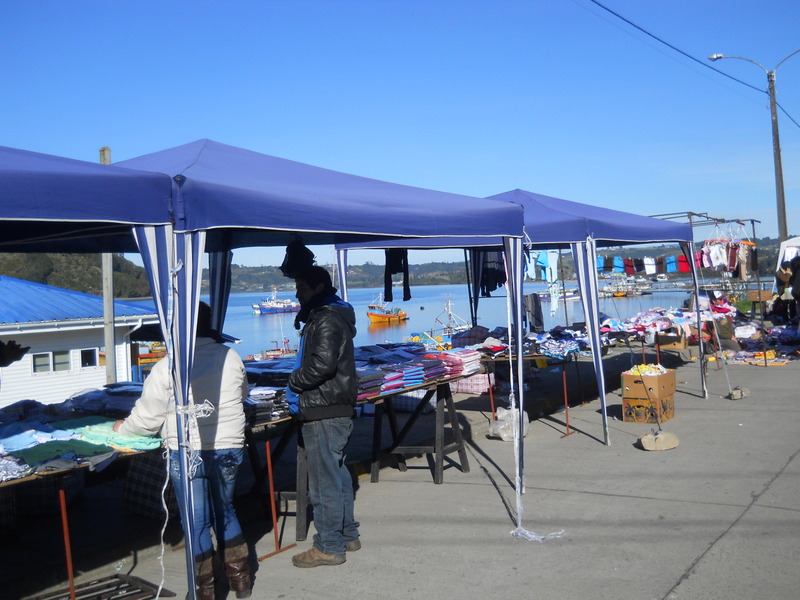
(629, 269)
(672, 264)
(552, 269)
(683, 264)
(718, 257)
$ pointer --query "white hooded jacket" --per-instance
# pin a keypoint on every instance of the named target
(219, 377)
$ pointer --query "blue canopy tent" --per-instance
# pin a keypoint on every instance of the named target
(54, 204)
(177, 204)
(556, 223)
(228, 197)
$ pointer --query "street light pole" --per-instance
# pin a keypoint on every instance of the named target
(783, 233)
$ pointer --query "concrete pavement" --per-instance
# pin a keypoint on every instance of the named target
(717, 517)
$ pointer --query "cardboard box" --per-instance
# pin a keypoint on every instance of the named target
(648, 387)
(638, 410)
(759, 295)
(672, 340)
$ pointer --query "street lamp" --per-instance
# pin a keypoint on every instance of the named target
(776, 142)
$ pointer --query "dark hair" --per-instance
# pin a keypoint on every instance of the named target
(314, 275)
(204, 324)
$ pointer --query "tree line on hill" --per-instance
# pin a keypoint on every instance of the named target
(83, 272)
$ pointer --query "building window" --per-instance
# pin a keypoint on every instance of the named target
(47, 362)
(89, 358)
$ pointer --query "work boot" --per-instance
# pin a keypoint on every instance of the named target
(238, 570)
(353, 545)
(316, 558)
(204, 579)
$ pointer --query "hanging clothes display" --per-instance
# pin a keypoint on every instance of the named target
(396, 262)
(732, 254)
(493, 275)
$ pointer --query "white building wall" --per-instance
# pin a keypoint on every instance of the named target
(19, 382)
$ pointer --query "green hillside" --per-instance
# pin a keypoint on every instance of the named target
(83, 273)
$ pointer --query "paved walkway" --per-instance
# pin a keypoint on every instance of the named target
(716, 518)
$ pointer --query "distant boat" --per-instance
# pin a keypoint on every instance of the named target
(568, 296)
(379, 311)
(445, 326)
(273, 304)
(278, 351)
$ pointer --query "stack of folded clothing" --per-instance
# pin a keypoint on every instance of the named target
(433, 368)
(471, 360)
(259, 405)
(369, 382)
(452, 363)
(271, 373)
(115, 400)
(392, 381)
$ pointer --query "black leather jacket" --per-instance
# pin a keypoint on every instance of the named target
(326, 379)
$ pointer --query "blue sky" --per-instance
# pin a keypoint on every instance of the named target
(557, 97)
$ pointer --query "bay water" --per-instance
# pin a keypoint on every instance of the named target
(260, 332)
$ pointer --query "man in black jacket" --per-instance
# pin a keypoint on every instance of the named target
(322, 393)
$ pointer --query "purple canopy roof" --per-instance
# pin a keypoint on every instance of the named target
(249, 199)
(555, 223)
(54, 204)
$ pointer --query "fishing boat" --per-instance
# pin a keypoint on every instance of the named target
(448, 322)
(273, 304)
(568, 296)
(379, 311)
(445, 326)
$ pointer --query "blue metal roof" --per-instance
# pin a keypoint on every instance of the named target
(28, 302)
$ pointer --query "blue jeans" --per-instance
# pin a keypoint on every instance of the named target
(213, 489)
(330, 487)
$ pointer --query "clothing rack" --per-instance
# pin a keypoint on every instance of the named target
(704, 220)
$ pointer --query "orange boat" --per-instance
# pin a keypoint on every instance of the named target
(380, 312)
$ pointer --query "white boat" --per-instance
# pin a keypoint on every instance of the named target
(273, 304)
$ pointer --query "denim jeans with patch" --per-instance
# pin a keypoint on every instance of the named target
(213, 490)
(330, 487)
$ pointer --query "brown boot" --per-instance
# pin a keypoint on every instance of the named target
(204, 579)
(238, 571)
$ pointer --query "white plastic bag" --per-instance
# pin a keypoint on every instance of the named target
(502, 427)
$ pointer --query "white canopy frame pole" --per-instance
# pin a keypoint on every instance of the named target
(688, 250)
(341, 263)
(585, 256)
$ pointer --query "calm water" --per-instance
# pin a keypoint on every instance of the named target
(259, 332)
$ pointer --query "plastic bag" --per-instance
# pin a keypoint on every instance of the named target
(502, 427)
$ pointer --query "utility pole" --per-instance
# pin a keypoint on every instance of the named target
(108, 298)
(783, 230)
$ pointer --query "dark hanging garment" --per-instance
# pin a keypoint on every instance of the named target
(732, 256)
(533, 312)
(396, 262)
(608, 264)
(754, 259)
(493, 275)
(638, 265)
(661, 265)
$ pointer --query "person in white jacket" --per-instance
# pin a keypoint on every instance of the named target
(218, 388)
